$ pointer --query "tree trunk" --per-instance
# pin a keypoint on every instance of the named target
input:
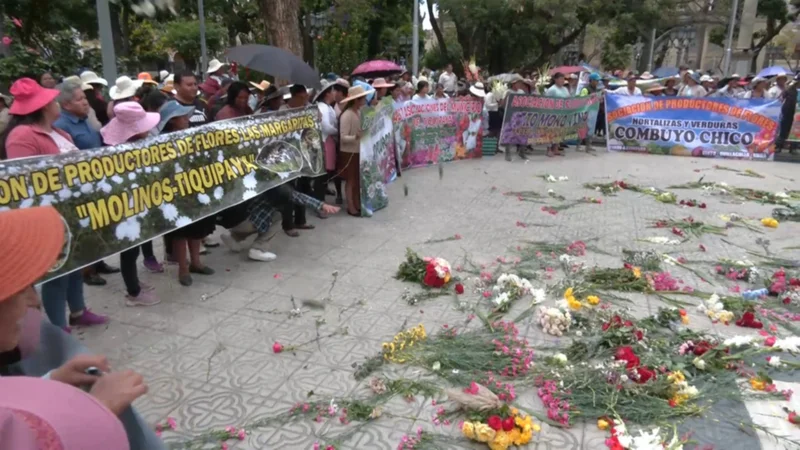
(437, 31)
(282, 20)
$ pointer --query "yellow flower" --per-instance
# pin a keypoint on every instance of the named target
(637, 272)
(676, 377)
(525, 437)
(514, 412)
(447, 277)
(568, 294)
(769, 222)
(483, 432)
(685, 319)
(725, 317)
(593, 300)
(468, 429)
(602, 424)
(758, 384)
(501, 441)
(536, 428)
(573, 304)
(515, 435)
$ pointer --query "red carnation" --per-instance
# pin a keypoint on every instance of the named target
(459, 288)
(701, 348)
(702, 206)
(625, 353)
(508, 424)
(748, 320)
(431, 278)
(645, 374)
(495, 423)
(770, 341)
(639, 334)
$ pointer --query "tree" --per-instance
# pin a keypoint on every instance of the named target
(282, 21)
(778, 14)
(183, 36)
(340, 50)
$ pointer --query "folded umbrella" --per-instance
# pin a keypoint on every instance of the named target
(275, 61)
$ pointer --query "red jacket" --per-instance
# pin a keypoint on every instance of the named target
(30, 140)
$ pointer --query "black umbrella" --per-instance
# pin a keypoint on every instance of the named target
(276, 62)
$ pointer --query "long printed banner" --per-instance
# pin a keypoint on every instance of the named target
(533, 119)
(432, 131)
(377, 156)
(117, 197)
(703, 127)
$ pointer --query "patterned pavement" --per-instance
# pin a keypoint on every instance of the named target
(206, 350)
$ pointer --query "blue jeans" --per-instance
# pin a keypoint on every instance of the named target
(62, 291)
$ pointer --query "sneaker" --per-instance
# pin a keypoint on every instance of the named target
(87, 319)
(153, 265)
(144, 287)
(210, 242)
(145, 298)
(231, 243)
(258, 255)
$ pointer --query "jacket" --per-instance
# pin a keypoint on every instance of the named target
(350, 132)
(30, 140)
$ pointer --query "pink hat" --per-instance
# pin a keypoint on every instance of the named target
(40, 414)
(129, 120)
(29, 97)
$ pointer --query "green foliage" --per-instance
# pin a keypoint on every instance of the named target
(340, 50)
(146, 42)
(616, 57)
(434, 58)
(184, 37)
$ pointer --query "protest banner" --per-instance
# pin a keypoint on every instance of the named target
(114, 198)
(430, 131)
(533, 119)
(704, 127)
(377, 156)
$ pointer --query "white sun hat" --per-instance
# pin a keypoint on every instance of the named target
(477, 90)
(214, 65)
(90, 77)
(124, 87)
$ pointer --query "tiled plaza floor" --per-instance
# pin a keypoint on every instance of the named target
(206, 350)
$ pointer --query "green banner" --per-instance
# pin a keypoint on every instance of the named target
(377, 156)
(533, 120)
(114, 198)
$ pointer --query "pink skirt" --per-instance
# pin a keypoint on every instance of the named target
(330, 154)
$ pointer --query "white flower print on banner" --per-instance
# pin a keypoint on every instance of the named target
(220, 156)
(76, 194)
(84, 222)
(248, 194)
(183, 221)
(178, 168)
(47, 200)
(117, 179)
(169, 211)
(219, 192)
(203, 198)
(132, 176)
(27, 203)
(87, 188)
(104, 186)
(130, 229)
(64, 193)
(249, 181)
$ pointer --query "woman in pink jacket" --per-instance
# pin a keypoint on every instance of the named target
(31, 133)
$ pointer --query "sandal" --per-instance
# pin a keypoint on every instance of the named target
(205, 270)
(185, 280)
(292, 232)
(305, 226)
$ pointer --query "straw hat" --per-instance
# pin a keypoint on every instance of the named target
(381, 83)
(646, 76)
(214, 65)
(656, 88)
(354, 93)
(30, 243)
(343, 82)
(124, 87)
(477, 90)
(326, 86)
(76, 80)
(168, 87)
(706, 79)
(263, 86)
(90, 77)
(129, 120)
(29, 96)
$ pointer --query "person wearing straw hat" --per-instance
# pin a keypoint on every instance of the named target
(350, 143)
(95, 97)
(381, 87)
(655, 91)
(670, 89)
(131, 123)
(707, 82)
(259, 89)
(692, 87)
(780, 86)
(32, 134)
(5, 102)
(325, 99)
(630, 88)
(758, 88)
(124, 89)
(730, 88)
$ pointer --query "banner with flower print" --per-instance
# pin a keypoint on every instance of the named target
(718, 127)
(533, 119)
(377, 156)
(432, 131)
(114, 198)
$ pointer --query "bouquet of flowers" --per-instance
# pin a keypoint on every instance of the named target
(430, 272)
(554, 321)
(510, 287)
(501, 430)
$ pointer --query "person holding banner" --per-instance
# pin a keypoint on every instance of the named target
(350, 142)
(630, 88)
(560, 90)
(422, 91)
(759, 88)
(31, 133)
(780, 86)
(330, 133)
(692, 88)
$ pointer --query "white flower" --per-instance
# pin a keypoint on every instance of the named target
(623, 378)
(76, 194)
(104, 186)
(550, 179)
(182, 221)
(84, 222)
(774, 361)
(565, 258)
(131, 176)
(781, 195)
(117, 179)
(248, 194)
(27, 203)
(203, 198)
(169, 211)
(219, 192)
(178, 168)
(560, 358)
(87, 188)
(249, 181)
(789, 344)
(436, 366)
(148, 169)
(64, 193)
(130, 229)
(550, 191)
(722, 183)
(661, 240)
(670, 260)
(739, 341)
(539, 296)
(220, 156)
(563, 178)
(699, 363)
(502, 299)
(156, 169)
(44, 200)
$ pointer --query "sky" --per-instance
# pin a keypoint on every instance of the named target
(423, 9)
